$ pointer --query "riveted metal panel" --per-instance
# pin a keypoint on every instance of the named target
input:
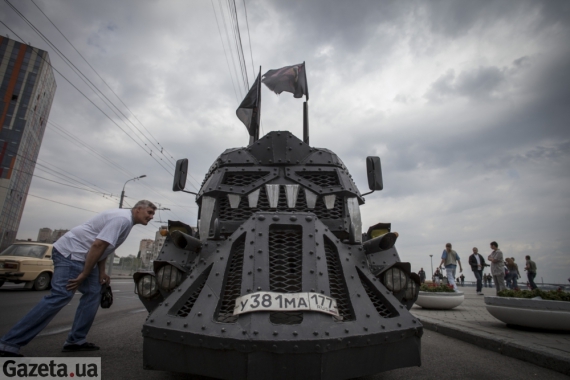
(284, 240)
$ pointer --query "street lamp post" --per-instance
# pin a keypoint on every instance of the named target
(112, 255)
(123, 192)
(431, 259)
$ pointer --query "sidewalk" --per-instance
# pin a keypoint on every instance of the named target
(472, 323)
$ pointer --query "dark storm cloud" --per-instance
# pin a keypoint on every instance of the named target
(479, 83)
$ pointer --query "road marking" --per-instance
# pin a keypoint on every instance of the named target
(137, 311)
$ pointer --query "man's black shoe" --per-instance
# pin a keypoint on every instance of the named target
(80, 347)
(8, 354)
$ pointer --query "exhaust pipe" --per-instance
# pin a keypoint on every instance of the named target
(380, 243)
(185, 241)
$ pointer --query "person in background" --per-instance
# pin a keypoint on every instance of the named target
(530, 271)
(422, 275)
(79, 259)
(490, 280)
(462, 278)
(513, 272)
(497, 266)
(450, 259)
(477, 265)
(437, 276)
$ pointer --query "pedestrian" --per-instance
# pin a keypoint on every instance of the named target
(462, 278)
(450, 259)
(437, 276)
(513, 272)
(497, 266)
(530, 272)
(79, 259)
(422, 275)
(477, 265)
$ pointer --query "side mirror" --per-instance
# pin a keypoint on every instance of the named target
(374, 172)
(180, 175)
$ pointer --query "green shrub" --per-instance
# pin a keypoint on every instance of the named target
(431, 287)
(552, 295)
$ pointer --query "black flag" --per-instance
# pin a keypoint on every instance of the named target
(290, 78)
(249, 111)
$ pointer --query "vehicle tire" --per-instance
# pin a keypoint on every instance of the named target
(42, 282)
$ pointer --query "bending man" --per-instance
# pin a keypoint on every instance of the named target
(79, 259)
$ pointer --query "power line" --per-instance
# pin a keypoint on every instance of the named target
(249, 37)
(225, 54)
(85, 96)
(49, 200)
(103, 80)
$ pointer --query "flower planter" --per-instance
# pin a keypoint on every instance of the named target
(440, 300)
(537, 313)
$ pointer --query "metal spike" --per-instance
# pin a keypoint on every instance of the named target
(291, 191)
(272, 195)
(329, 201)
(234, 200)
(311, 198)
(252, 198)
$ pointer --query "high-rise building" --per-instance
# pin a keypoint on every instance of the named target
(56, 234)
(27, 88)
(146, 249)
(44, 236)
(158, 242)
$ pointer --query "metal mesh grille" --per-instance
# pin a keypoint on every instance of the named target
(242, 178)
(337, 284)
(243, 212)
(323, 179)
(375, 298)
(285, 268)
(199, 285)
(232, 287)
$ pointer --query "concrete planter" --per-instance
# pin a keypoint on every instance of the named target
(440, 300)
(541, 314)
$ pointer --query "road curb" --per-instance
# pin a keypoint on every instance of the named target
(543, 356)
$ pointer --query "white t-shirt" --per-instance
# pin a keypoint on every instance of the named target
(111, 226)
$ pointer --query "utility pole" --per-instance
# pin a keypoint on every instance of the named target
(431, 259)
(123, 192)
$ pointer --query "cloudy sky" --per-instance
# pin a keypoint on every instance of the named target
(466, 103)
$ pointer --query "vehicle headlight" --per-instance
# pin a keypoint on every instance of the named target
(411, 290)
(147, 286)
(168, 277)
(395, 279)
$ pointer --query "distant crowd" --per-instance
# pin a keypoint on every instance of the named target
(504, 271)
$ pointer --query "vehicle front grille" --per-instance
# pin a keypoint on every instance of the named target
(323, 179)
(337, 284)
(285, 268)
(242, 178)
(198, 285)
(232, 286)
(376, 298)
(243, 212)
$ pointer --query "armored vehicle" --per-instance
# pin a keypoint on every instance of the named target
(279, 282)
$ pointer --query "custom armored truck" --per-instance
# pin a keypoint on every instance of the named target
(279, 281)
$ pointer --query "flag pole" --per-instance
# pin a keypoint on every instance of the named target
(306, 110)
(259, 104)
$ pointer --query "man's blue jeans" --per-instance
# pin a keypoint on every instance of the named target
(38, 318)
(478, 276)
(531, 276)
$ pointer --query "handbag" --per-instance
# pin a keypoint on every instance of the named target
(106, 296)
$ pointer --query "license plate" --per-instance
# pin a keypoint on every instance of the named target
(270, 301)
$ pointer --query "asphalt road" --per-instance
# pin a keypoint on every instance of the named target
(117, 331)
